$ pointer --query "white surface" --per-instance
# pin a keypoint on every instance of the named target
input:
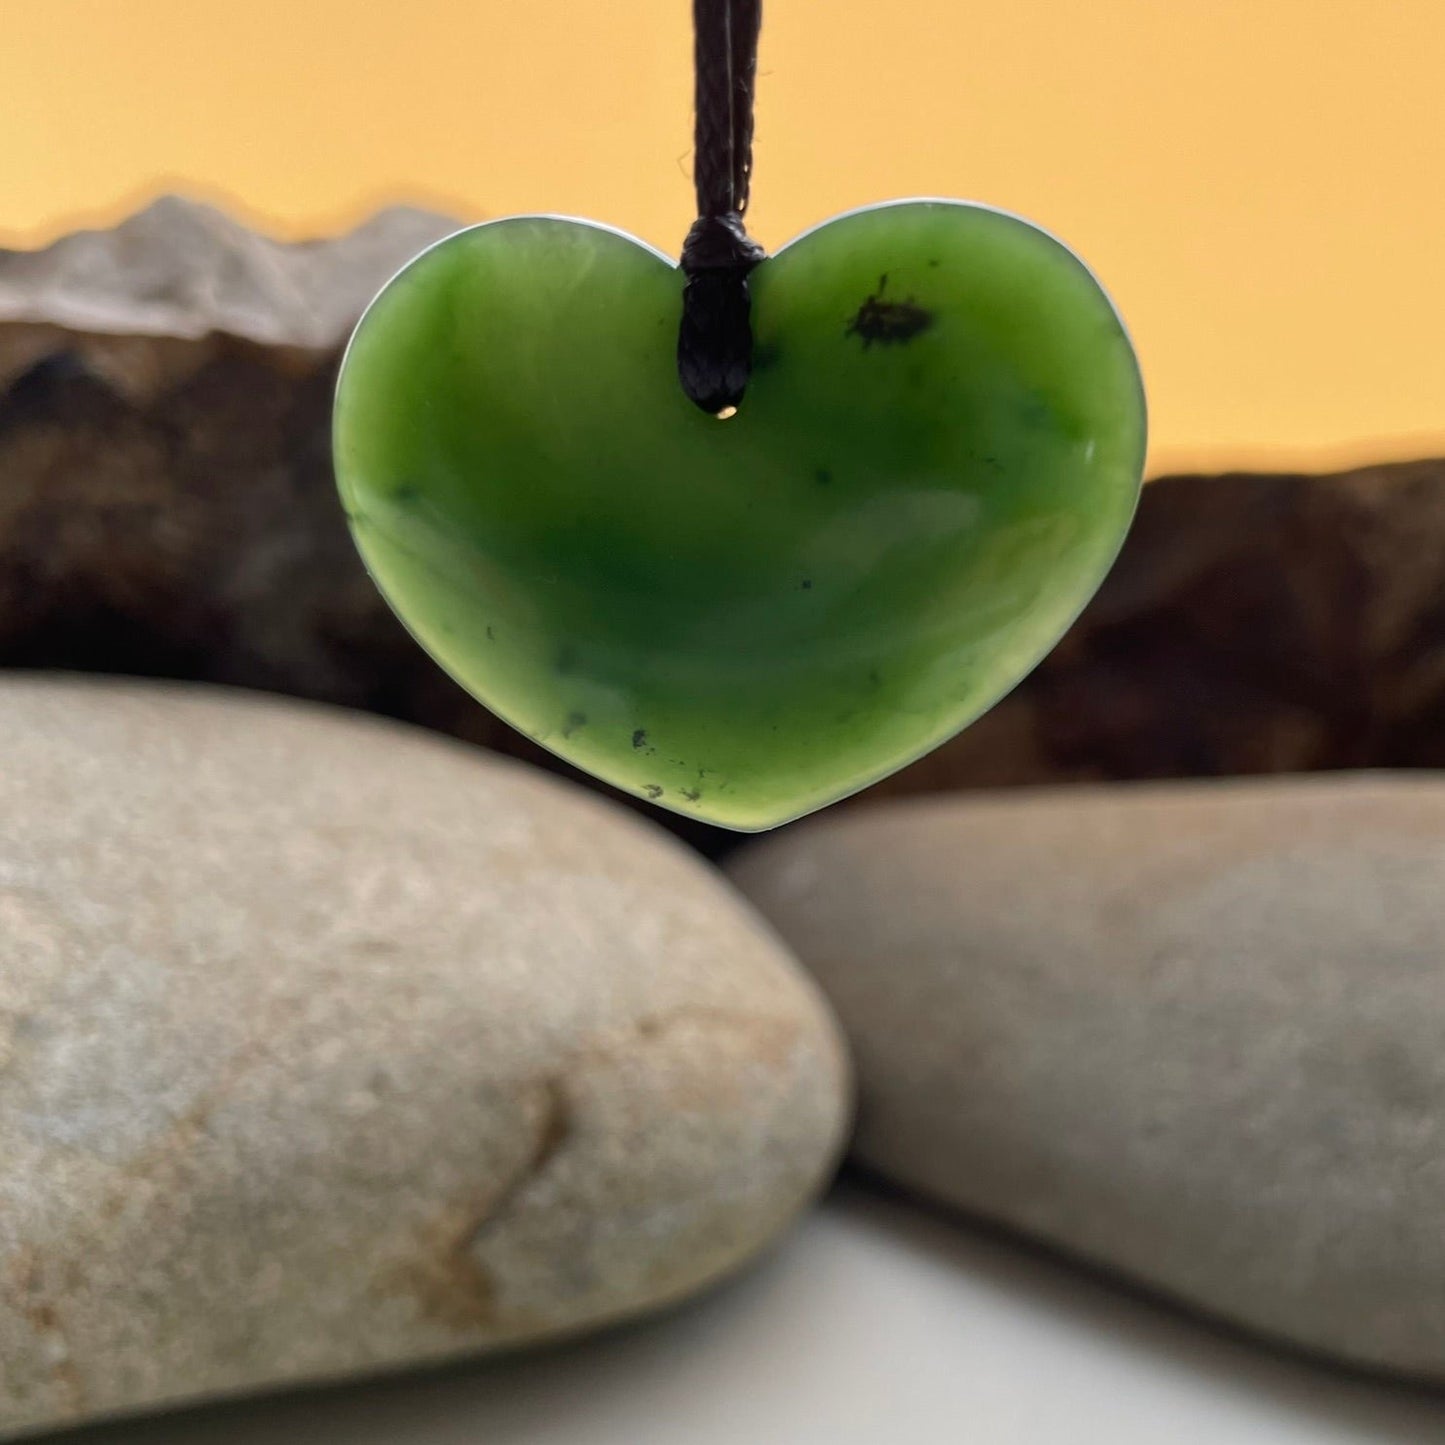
(872, 1326)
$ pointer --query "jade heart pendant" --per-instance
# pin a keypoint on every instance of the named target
(935, 463)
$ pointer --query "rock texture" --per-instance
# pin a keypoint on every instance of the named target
(167, 509)
(329, 1047)
(1190, 1032)
(183, 271)
(166, 502)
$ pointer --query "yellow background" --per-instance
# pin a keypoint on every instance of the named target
(1260, 183)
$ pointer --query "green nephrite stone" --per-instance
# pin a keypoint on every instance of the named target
(742, 619)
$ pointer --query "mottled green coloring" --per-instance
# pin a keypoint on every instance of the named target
(935, 463)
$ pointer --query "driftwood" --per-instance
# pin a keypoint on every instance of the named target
(166, 508)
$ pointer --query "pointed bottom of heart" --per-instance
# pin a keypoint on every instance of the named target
(934, 465)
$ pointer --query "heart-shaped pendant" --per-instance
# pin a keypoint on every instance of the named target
(935, 463)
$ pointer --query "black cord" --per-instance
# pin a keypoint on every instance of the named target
(715, 340)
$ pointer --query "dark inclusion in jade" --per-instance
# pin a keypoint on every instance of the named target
(934, 465)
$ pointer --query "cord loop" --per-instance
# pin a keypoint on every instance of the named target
(715, 339)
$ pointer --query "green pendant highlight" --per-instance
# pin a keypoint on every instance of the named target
(743, 620)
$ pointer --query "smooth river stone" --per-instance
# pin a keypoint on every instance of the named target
(934, 465)
(1194, 1033)
(329, 1047)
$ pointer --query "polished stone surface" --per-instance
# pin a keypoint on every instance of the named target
(1189, 1032)
(329, 1047)
(743, 620)
(872, 1325)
